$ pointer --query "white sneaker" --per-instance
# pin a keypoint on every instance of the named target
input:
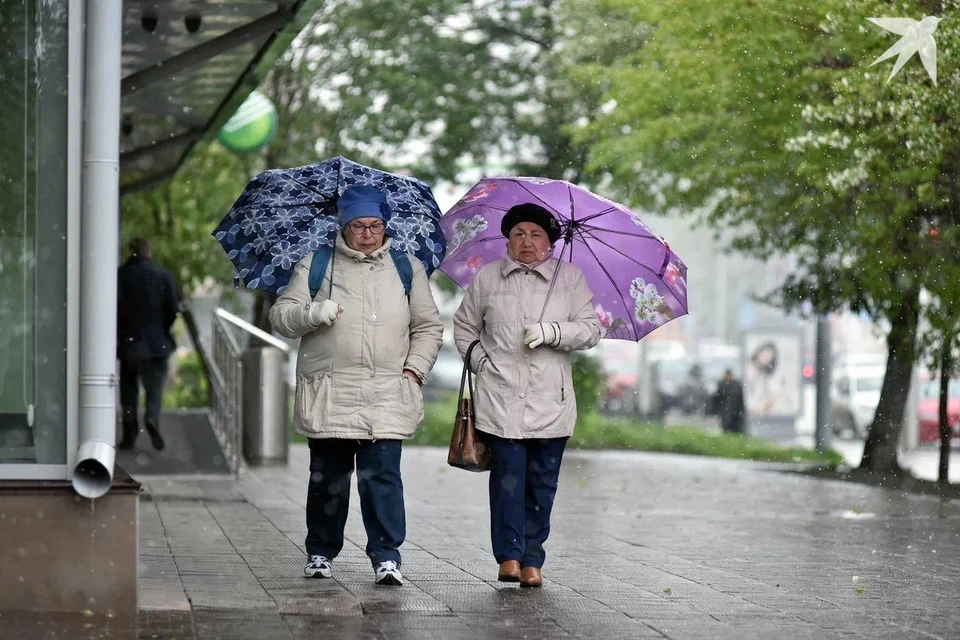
(318, 567)
(388, 574)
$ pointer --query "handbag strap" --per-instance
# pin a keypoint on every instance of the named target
(466, 378)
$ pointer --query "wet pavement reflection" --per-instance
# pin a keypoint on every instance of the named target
(642, 546)
(19, 625)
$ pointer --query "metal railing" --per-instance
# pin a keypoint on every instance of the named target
(226, 373)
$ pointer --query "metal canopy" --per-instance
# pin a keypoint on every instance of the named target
(187, 64)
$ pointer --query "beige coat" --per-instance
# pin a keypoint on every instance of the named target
(522, 392)
(350, 381)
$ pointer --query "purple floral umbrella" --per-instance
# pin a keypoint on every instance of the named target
(638, 283)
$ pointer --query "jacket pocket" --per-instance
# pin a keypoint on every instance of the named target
(411, 402)
(313, 403)
(490, 377)
(549, 373)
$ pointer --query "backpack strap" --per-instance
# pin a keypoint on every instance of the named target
(323, 256)
(401, 260)
(318, 269)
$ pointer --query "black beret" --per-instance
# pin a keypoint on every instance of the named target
(530, 212)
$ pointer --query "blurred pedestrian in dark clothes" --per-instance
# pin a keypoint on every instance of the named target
(728, 403)
(147, 305)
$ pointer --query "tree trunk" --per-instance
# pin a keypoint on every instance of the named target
(946, 432)
(880, 449)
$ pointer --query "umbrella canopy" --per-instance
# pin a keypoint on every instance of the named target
(285, 214)
(638, 283)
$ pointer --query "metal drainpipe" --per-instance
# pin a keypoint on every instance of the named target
(100, 241)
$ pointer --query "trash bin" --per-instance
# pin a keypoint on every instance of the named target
(266, 437)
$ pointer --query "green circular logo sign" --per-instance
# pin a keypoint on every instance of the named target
(252, 127)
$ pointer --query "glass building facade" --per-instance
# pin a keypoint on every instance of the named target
(33, 233)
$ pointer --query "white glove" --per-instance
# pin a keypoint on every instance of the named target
(547, 333)
(323, 313)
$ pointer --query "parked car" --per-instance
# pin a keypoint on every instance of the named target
(928, 410)
(855, 393)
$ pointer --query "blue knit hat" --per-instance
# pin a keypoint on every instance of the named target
(362, 201)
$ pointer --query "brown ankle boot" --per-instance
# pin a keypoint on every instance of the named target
(530, 577)
(509, 571)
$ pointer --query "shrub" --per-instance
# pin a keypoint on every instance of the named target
(589, 382)
(189, 387)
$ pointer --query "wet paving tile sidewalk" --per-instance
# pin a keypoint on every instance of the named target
(642, 546)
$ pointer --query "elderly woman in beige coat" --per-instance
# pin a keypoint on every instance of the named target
(366, 347)
(528, 312)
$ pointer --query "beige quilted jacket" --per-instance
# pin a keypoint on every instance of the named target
(350, 381)
(521, 392)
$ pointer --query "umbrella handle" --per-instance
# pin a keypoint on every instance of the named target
(553, 281)
(332, 261)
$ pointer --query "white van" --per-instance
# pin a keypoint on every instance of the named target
(855, 393)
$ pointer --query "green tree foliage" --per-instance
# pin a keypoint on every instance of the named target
(589, 382)
(434, 87)
(473, 82)
(767, 119)
(428, 87)
(190, 386)
(179, 216)
(450, 73)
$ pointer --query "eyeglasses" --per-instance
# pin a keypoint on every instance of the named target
(358, 228)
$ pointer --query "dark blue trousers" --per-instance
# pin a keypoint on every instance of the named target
(381, 496)
(523, 484)
(151, 373)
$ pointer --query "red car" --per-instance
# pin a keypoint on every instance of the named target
(928, 416)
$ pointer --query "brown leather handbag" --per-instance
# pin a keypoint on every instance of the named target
(468, 448)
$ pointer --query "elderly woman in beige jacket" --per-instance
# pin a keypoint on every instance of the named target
(528, 311)
(366, 347)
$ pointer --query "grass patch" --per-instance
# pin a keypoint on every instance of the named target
(437, 426)
(902, 481)
(597, 432)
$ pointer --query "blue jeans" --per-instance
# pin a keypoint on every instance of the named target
(381, 496)
(523, 484)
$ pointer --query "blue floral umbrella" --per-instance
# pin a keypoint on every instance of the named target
(285, 214)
